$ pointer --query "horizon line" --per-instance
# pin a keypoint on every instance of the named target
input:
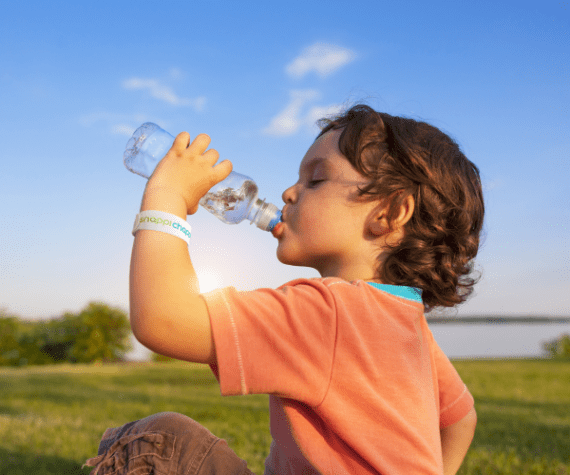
(497, 320)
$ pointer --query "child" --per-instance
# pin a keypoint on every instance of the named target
(389, 211)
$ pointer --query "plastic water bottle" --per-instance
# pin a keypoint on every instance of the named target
(232, 200)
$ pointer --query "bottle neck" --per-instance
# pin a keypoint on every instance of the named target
(264, 215)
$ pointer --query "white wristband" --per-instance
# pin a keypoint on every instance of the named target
(164, 222)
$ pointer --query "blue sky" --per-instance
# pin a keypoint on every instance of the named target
(76, 78)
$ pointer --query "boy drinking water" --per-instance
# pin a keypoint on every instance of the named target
(389, 211)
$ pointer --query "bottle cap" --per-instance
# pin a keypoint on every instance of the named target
(268, 217)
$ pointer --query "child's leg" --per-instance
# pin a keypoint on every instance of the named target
(167, 443)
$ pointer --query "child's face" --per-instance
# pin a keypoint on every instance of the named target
(324, 225)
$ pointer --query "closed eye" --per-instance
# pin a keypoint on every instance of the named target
(314, 183)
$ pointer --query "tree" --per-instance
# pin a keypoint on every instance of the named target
(9, 348)
(19, 343)
(101, 333)
(559, 347)
(97, 333)
(55, 337)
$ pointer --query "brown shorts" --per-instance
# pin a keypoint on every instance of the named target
(167, 443)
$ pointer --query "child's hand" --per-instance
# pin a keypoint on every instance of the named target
(188, 171)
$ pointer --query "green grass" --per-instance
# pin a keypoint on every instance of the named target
(523, 409)
(52, 418)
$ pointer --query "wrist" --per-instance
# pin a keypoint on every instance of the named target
(162, 199)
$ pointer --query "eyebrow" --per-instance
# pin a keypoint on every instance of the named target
(313, 163)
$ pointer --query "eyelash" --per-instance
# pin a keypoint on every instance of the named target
(312, 183)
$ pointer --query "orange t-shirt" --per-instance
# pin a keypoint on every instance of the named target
(356, 381)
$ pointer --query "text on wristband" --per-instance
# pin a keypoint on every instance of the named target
(166, 222)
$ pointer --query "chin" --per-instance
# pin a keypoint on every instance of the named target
(283, 259)
(288, 259)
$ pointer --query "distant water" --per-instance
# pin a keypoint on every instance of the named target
(495, 340)
(473, 340)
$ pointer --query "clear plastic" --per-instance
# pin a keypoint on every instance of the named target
(231, 200)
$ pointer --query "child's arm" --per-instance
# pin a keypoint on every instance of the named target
(455, 441)
(166, 311)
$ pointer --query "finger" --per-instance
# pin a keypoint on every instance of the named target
(223, 169)
(211, 156)
(200, 144)
(181, 141)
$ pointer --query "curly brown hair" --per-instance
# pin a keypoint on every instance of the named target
(404, 157)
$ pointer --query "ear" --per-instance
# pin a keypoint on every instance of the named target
(379, 224)
(406, 212)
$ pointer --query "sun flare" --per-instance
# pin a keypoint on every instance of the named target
(208, 280)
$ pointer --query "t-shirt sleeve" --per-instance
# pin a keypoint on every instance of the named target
(455, 400)
(277, 342)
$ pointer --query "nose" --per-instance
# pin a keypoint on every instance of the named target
(289, 195)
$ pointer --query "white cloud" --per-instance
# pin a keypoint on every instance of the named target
(119, 124)
(88, 120)
(92, 118)
(288, 121)
(122, 129)
(176, 73)
(295, 114)
(164, 93)
(320, 112)
(324, 59)
(493, 184)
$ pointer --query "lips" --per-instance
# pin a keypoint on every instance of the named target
(277, 230)
(279, 227)
(284, 213)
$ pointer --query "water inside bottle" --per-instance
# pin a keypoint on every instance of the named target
(228, 204)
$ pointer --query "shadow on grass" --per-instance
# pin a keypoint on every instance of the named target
(9, 411)
(21, 463)
(67, 389)
(141, 388)
(176, 377)
(531, 428)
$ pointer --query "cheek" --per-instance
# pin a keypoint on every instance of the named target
(321, 220)
(316, 214)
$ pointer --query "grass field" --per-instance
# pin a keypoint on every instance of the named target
(52, 418)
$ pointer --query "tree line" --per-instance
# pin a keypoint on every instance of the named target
(98, 333)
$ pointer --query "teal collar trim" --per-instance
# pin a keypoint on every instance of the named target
(403, 291)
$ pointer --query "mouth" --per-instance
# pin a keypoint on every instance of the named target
(277, 230)
(284, 213)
